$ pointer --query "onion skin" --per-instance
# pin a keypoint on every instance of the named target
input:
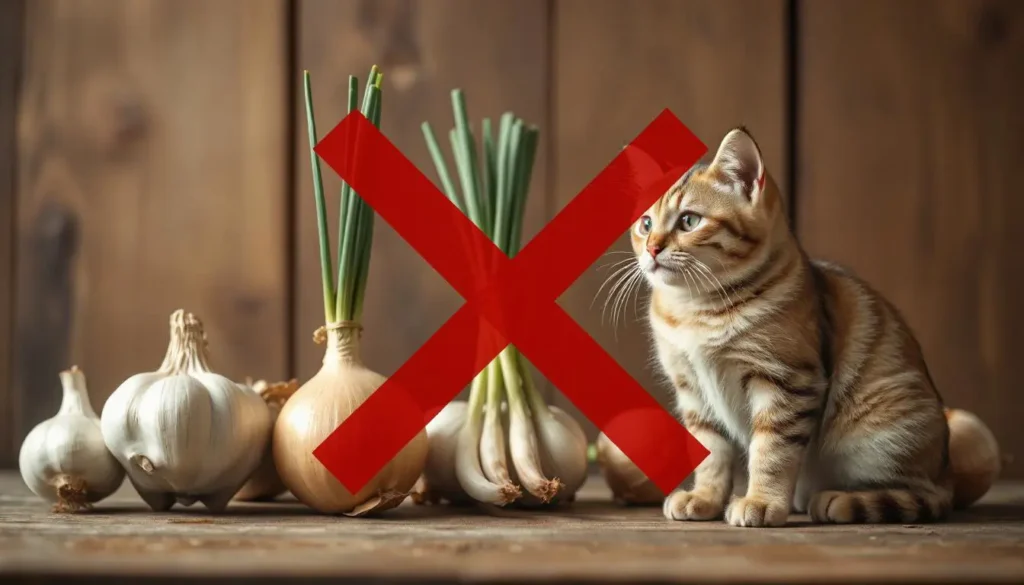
(314, 412)
(629, 485)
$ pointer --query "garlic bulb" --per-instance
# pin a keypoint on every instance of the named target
(629, 485)
(439, 480)
(184, 433)
(265, 483)
(315, 411)
(64, 459)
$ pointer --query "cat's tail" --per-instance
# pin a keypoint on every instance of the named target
(905, 505)
(974, 457)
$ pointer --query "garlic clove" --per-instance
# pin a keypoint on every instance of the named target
(64, 459)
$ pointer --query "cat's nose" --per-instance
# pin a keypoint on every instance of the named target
(654, 250)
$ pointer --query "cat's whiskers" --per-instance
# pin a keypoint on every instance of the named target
(616, 275)
(622, 276)
(632, 287)
(620, 297)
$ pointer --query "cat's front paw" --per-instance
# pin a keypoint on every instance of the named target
(692, 506)
(756, 512)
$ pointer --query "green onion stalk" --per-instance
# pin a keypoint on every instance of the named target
(343, 382)
(506, 417)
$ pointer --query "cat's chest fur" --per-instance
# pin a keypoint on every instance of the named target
(713, 383)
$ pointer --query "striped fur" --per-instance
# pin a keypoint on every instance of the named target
(794, 364)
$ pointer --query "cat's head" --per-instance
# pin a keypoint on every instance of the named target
(713, 221)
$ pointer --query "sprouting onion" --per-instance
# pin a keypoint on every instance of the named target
(343, 382)
(546, 446)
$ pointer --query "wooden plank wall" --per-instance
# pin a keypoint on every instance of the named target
(11, 27)
(425, 51)
(152, 155)
(910, 138)
(618, 65)
(897, 143)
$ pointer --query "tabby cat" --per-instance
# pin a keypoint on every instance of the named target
(791, 365)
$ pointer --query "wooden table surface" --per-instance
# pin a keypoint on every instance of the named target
(595, 541)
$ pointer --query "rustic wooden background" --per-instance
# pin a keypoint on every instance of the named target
(153, 157)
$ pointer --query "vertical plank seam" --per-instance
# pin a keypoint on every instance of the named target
(291, 187)
(550, 158)
(792, 101)
(19, 15)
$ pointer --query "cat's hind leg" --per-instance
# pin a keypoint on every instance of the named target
(918, 502)
(889, 467)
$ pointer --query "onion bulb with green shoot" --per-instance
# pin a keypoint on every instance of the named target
(506, 444)
(343, 382)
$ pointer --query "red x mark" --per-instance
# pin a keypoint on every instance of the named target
(510, 301)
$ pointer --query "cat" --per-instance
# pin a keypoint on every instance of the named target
(794, 365)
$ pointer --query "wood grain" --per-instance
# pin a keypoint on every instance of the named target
(594, 541)
(11, 27)
(715, 64)
(425, 50)
(153, 159)
(910, 140)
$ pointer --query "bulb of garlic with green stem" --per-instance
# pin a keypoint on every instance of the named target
(563, 442)
(64, 459)
(184, 433)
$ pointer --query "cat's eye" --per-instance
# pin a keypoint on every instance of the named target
(689, 221)
(644, 227)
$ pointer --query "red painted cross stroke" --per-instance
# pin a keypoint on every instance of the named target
(510, 301)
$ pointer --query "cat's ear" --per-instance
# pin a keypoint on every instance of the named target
(738, 162)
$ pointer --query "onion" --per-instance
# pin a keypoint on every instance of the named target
(973, 456)
(343, 382)
(314, 412)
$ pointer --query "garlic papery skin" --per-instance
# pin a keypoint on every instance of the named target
(64, 459)
(439, 481)
(265, 484)
(184, 433)
(629, 485)
(315, 411)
